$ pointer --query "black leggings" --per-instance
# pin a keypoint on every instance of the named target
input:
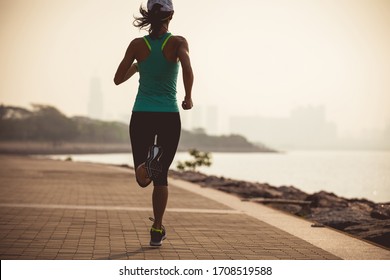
(143, 128)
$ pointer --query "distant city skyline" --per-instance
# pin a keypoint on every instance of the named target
(307, 127)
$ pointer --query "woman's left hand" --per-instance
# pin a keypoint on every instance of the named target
(187, 104)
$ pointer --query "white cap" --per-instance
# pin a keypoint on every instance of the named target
(167, 5)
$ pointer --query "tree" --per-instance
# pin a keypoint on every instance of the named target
(200, 159)
(49, 124)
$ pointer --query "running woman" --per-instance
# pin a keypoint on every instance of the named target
(155, 122)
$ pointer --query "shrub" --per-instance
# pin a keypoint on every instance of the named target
(199, 159)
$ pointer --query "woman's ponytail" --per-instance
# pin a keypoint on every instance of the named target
(155, 18)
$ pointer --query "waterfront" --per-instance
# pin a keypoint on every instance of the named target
(351, 174)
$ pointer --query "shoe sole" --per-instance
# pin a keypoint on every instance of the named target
(157, 244)
(143, 181)
(153, 167)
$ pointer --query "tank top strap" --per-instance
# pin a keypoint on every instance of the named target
(166, 40)
(147, 43)
(155, 44)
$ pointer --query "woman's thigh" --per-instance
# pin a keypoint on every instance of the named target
(144, 126)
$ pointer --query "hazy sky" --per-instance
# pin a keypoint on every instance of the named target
(250, 57)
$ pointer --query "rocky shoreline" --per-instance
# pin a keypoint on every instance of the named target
(359, 217)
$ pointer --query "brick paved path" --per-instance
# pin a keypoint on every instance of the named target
(65, 210)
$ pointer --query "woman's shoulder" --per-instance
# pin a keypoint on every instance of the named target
(179, 41)
(138, 40)
(179, 38)
(136, 43)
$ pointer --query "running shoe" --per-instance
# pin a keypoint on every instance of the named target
(152, 163)
(157, 236)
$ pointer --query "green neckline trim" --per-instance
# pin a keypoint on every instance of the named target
(165, 41)
(148, 44)
(162, 46)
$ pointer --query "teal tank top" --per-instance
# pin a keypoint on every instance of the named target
(158, 79)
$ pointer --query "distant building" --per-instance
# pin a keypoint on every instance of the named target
(185, 120)
(201, 117)
(212, 120)
(306, 128)
(197, 117)
(386, 137)
(95, 104)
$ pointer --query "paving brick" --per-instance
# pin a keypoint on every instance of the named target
(63, 210)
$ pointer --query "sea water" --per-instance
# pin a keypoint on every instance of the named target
(351, 174)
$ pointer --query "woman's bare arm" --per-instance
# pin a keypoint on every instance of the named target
(126, 68)
(188, 75)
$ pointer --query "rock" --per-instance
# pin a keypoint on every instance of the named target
(292, 193)
(381, 212)
(359, 207)
(336, 218)
(248, 190)
(363, 201)
(290, 208)
(360, 217)
(381, 238)
(190, 176)
(326, 200)
(377, 231)
(213, 180)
